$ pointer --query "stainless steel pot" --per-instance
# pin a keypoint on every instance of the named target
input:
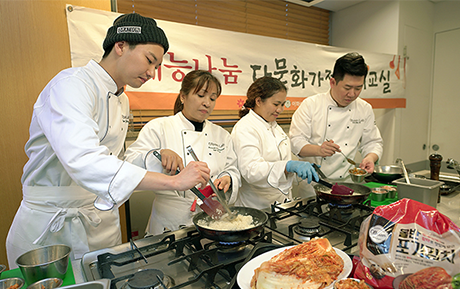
(360, 194)
(259, 217)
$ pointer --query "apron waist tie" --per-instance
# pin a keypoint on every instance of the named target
(79, 240)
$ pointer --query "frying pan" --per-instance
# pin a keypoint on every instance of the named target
(259, 217)
(360, 194)
(387, 173)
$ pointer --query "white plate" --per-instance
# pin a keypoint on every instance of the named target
(247, 271)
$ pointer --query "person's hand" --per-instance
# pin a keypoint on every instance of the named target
(194, 173)
(368, 165)
(303, 169)
(171, 161)
(223, 183)
(328, 148)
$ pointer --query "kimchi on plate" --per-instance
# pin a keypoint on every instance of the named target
(313, 264)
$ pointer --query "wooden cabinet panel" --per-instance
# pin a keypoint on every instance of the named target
(35, 48)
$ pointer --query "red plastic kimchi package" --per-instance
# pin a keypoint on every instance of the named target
(409, 245)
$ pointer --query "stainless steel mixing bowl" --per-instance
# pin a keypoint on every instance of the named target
(13, 281)
(44, 262)
(47, 283)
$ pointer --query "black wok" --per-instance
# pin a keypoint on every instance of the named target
(259, 217)
(360, 194)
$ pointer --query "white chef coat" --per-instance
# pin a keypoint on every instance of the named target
(263, 149)
(77, 131)
(212, 145)
(353, 128)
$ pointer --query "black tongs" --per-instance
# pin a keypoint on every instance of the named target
(322, 177)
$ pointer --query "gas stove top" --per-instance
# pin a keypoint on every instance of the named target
(184, 259)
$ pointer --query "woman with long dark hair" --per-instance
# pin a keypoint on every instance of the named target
(169, 136)
(263, 148)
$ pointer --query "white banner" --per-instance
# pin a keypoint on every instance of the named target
(237, 59)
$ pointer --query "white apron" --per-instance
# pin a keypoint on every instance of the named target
(61, 215)
(171, 209)
(213, 145)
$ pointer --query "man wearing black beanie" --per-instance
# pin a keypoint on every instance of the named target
(75, 180)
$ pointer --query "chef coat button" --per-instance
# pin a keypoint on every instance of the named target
(185, 132)
(210, 154)
(206, 134)
(329, 125)
(110, 154)
(330, 108)
(348, 126)
(324, 158)
(346, 144)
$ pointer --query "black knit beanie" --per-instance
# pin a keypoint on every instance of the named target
(133, 27)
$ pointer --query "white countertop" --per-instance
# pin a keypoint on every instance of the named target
(450, 204)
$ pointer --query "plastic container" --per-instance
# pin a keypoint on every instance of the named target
(421, 190)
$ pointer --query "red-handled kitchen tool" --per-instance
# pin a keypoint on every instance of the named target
(341, 190)
(219, 193)
(210, 206)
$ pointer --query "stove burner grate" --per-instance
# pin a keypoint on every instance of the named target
(343, 209)
(307, 227)
(230, 247)
(145, 279)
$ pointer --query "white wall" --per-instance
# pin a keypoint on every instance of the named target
(370, 25)
(446, 61)
(387, 27)
(446, 16)
(416, 33)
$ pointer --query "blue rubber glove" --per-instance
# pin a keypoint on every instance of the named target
(303, 169)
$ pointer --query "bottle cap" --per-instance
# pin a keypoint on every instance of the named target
(435, 157)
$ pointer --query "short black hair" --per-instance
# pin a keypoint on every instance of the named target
(131, 45)
(351, 63)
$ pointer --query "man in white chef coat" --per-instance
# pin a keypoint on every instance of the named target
(338, 120)
(74, 180)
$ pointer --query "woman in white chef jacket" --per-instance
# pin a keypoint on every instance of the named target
(264, 150)
(171, 135)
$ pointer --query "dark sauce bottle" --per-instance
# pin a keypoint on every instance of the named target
(435, 167)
